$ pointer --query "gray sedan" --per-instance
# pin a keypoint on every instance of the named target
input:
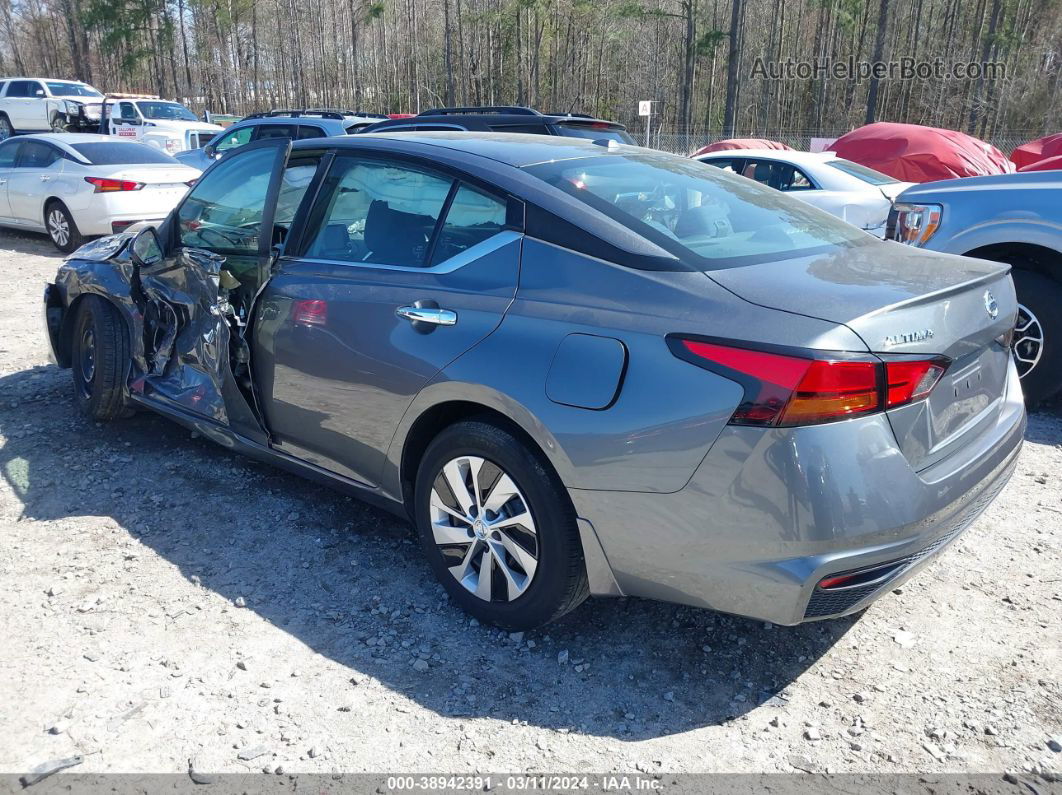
(577, 367)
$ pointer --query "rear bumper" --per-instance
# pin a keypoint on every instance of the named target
(769, 514)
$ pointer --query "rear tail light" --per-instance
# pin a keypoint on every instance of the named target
(106, 185)
(811, 387)
(310, 312)
(911, 380)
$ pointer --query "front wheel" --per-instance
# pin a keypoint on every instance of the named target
(99, 355)
(498, 527)
(6, 130)
(1038, 335)
(59, 124)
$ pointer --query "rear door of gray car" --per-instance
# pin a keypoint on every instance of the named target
(401, 269)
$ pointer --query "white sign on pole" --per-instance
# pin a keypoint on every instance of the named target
(645, 108)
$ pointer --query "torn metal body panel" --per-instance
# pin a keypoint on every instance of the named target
(183, 332)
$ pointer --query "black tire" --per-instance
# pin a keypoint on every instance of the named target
(59, 124)
(6, 130)
(99, 360)
(558, 583)
(62, 230)
(1041, 297)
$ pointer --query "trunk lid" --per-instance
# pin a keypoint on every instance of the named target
(906, 301)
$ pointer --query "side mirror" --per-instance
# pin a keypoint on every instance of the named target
(146, 250)
(209, 151)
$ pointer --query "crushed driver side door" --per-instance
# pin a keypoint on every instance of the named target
(196, 298)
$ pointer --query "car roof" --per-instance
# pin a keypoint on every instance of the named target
(73, 138)
(492, 119)
(514, 149)
(46, 80)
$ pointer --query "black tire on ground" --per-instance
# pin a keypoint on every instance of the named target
(559, 583)
(6, 130)
(99, 357)
(1042, 297)
(61, 228)
(59, 124)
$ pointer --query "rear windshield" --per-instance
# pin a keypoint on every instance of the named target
(861, 172)
(703, 215)
(595, 132)
(73, 90)
(120, 153)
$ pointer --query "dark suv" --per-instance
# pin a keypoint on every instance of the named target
(507, 118)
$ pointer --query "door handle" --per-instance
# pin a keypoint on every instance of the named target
(431, 315)
(45, 178)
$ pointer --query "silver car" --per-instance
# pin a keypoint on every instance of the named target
(577, 367)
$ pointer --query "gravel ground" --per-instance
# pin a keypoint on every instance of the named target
(165, 601)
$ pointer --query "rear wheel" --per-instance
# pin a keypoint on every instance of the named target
(61, 227)
(1038, 335)
(6, 130)
(99, 355)
(498, 527)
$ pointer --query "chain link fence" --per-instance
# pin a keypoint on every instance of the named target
(688, 143)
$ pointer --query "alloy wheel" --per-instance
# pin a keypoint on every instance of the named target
(483, 527)
(87, 360)
(58, 227)
(1028, 341)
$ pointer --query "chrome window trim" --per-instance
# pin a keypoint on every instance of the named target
(481, 249)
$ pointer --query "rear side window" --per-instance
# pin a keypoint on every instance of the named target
(706, 217)
(727, 164)
(266, 131)
(377, 212)
(115, 153)
(34, 154)
(472, 218)
(309, 131)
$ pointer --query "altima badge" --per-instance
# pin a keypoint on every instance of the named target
(910, 336)
(991, 305)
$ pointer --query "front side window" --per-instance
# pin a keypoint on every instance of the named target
(127, 111)
(9, 153)
(224, 211)
(21, 88)
(233, 139)
(780, 176)
(701, 214)
(377, 212)
(472, 218)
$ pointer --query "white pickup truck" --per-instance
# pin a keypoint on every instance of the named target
(32, 104)
(169, 126)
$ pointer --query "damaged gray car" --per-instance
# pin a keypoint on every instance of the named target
(578, 367)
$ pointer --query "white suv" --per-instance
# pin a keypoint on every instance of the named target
(31, 104)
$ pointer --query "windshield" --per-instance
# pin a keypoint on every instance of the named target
(595, 132)
(120, 153)
(861, 172)
(699, 213)
(171, 111)
(73, 90)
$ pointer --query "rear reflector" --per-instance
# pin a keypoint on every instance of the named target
(310, 312)
(811, 387)
(106, 185)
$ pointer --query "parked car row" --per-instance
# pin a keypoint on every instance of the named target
(535, 347)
